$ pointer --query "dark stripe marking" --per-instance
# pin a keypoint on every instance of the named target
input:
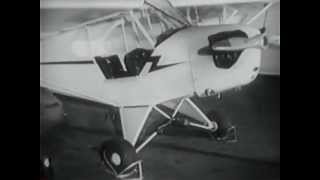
(164, 66)
(137, 106)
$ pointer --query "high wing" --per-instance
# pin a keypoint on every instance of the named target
(192, 3)
(229, 14)
(96, 7)
(131, 4)
(168, 9)
(92, 4)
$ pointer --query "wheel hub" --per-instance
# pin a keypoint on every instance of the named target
(116, 159)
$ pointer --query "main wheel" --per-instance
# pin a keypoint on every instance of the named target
(226, 131)
(46, 169)
(117, 154)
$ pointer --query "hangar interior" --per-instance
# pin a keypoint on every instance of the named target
(178, 152)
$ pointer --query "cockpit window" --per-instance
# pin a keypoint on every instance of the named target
(162, 37)
(171, 17)
(134, 62)
(165, 8)
(111, 67)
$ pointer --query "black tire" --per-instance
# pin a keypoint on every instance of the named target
(223, 124)
(121, 148)
(46, 169)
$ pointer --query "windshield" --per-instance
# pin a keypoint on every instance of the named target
(165, 8)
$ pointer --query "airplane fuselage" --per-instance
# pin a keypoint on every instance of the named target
(187, 72)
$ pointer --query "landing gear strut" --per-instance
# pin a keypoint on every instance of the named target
(119, 155)
(226, 132)
(218, 127)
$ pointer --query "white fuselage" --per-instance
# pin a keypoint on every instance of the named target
(192, 73)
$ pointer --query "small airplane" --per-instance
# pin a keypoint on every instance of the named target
(187, 61)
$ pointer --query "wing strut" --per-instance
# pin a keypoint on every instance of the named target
(142, 29)
(250, 21)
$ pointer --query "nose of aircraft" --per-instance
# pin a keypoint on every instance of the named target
(231, 58)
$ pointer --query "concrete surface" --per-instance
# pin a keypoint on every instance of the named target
(180, 154)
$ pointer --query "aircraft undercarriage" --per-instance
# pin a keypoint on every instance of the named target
(120, 157)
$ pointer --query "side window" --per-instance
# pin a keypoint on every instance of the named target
(111, 67)
(134, 61)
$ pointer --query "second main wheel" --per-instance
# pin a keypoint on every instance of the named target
(226, 131)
